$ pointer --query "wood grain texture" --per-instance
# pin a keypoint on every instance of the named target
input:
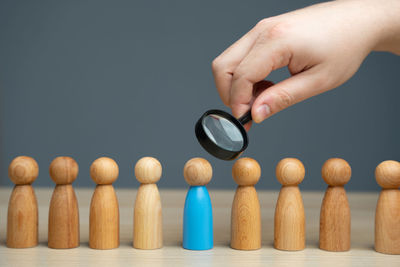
(147, 226)
(387, 174)
(148, 170)
(335, 220)
(104, 170)
(104, 218)
(63, 224)
(23, 170)
(387, 222)
(246, 219)
(336, 172)
(63, 170)
(246, 171)
(290, 171)
(22, 218)
(289, 231)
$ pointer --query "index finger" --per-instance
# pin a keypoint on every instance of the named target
(224, 65)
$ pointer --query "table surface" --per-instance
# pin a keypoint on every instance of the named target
(172, 254)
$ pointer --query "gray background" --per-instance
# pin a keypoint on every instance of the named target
(128, 79)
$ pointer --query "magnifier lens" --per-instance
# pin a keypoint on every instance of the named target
(223, 132)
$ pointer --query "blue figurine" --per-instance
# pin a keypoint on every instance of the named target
(197, 214)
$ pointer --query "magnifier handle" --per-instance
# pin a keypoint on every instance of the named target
(245, 118)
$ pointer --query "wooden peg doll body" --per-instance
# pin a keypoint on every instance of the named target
(104, 209)
(335, 218)
(289, 221)
(22, 218)
(147, 226)
(246, 215)
(63, 211)
(387, 215)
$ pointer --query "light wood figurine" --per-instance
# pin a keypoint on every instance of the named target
(63, 211)
(104, 210)
(335, 218)
(387, 215)
(147, 225)
(289, 221)
(246, 216)
(22, 219)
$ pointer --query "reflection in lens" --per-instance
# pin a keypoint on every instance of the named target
(223, 132)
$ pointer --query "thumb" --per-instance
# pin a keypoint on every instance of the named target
(242, 109)
(288, 92)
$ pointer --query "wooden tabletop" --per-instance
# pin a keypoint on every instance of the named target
(172, 254)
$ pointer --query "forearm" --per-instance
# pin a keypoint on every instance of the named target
(389, 36)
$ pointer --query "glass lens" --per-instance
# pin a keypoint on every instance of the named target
(223, 132)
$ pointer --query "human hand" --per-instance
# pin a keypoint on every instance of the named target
(322, 46)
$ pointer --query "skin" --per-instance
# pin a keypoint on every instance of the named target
(322, 45)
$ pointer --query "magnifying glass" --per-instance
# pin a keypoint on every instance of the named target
(221, 134)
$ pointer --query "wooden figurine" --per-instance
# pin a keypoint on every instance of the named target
(104, 209)
(147, 225)
(198, 233)
(335, 218)
(22, 219)
(246, 216)
(289, 231)
(387, 216)
(63, 211)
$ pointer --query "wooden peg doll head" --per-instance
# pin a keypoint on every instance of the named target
(148, 170)
(336, 172)
(387, 174)
(246, 171)
(63, 170)
(290, 171)
(104, 171)
(197, 171)
(23, 170)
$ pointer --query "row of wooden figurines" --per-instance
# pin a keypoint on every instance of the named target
(289, 222)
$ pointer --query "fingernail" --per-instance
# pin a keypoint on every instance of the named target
(262, 113)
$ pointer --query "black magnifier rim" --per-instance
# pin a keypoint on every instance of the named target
(213, 148)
